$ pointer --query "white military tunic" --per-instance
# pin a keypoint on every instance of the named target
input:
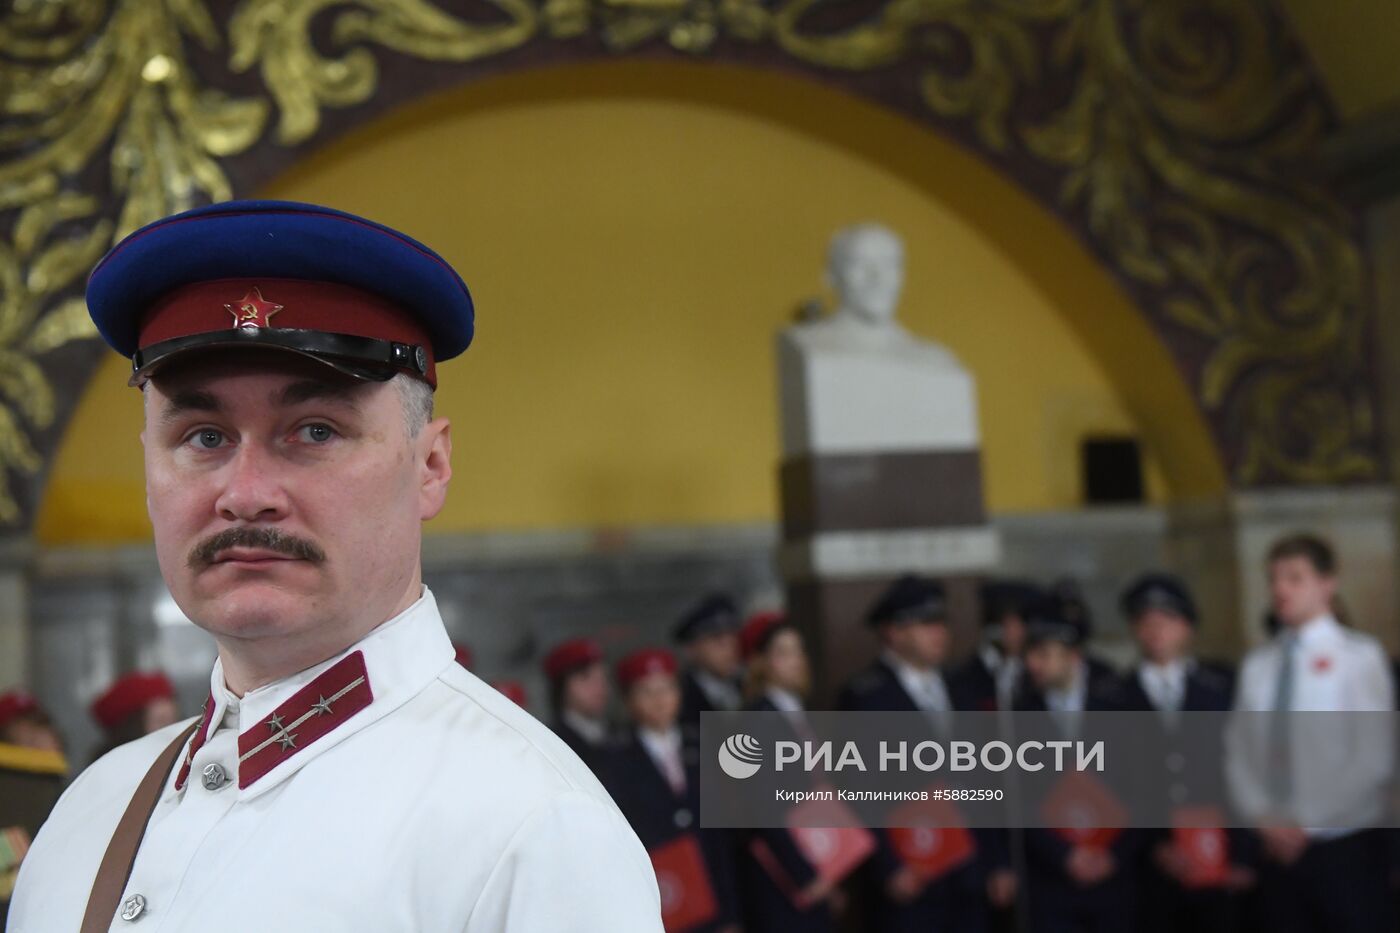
(385, 789)
(1342, 765)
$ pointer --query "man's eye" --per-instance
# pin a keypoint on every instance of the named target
(316, 433)
(208, 438)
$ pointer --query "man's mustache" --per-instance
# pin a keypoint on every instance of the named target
(268, 539)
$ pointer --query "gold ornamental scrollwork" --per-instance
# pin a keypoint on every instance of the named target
(1169, 133)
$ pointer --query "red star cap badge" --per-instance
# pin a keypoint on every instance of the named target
(1322, 665)
(253, 310)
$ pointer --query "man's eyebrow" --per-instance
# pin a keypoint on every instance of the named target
(307, 389)
(188, 400)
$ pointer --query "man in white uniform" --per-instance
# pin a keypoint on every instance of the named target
(1311, 754)
(346, 774)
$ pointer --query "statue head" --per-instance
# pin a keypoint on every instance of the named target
(865, 266)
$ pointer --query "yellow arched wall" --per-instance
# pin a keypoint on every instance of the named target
(634, 235)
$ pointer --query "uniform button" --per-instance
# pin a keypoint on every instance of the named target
(683, 819)
(1176, 761)
(133, 907)
(214, 777)
(1178, 793)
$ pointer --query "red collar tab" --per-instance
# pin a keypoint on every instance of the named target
(196, 742)
(313, 711)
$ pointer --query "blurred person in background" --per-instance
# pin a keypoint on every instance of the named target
(781, 889)
(1189, 878)
(1074, 607)
(579, 693)
(136, 705)
(26, 724)
(989, 681)
(910, 620)
(1315, 786)
(989, 678)
(1169, 677)
(1081, 879)
(654, 775)
(708, 634)
(777, 670)
(32, 772)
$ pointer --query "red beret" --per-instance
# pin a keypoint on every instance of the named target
(130, 694)
(758, 629)
(639, 664)
(514, 690)
(569, 656)
(14, 704)
(464, 654)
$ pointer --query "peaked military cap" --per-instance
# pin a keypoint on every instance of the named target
(911, 598)
(1159, 591)
(346, 291)
(1001, 598)
(1053, 617)
(713, 614)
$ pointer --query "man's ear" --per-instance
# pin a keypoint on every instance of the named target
(434, 446)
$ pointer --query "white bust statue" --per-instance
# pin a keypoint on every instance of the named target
(856, 379)
(865, 268)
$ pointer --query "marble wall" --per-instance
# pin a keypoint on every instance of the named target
(512, 596)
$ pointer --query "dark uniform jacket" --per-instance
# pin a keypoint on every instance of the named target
(767, 907)
(1059, 902)
(953, 901)
(587, 751)
(694, 701)
(1195, 769)
(658, 815)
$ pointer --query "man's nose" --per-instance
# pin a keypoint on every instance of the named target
(253, 489)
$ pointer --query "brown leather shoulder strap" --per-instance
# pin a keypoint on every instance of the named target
(115, 869)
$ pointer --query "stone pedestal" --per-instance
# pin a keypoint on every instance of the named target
(1221, 547)
(881, 475)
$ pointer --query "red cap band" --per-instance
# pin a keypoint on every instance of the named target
(301, 304)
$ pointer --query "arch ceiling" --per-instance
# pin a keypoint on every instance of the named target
(1171, 138)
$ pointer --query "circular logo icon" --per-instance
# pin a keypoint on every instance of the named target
(740, 756)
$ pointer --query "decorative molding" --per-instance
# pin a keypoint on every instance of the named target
(1167, 133)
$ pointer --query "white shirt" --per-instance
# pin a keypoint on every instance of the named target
(1164, 684)
(593, 731)
(1066, 704)
(422, 800)
(785, 700)
(1070, 698)
(664, 748)
(925, 687)
(722, 694)
(1006, 672)
(1341, 765)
